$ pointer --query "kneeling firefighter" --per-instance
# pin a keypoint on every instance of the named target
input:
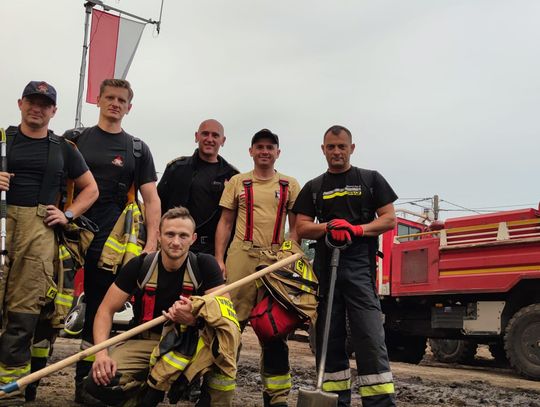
(200, 339)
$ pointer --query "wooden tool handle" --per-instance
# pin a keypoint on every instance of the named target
(26, 380)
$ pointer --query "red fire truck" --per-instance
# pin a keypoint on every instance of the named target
(463, 282)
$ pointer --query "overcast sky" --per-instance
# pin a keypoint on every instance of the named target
(442, 97)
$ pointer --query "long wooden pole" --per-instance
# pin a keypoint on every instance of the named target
(3, 204)
(26, 380)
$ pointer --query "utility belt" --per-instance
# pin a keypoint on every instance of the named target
(250, 246)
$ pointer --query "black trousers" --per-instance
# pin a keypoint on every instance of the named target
(96, 281)
(355, 298)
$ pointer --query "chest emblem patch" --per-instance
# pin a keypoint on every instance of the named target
(118, 161)
(349, 190)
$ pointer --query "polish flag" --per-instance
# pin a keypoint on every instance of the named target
(113, 42)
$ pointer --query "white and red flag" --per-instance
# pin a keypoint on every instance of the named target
(113, 42)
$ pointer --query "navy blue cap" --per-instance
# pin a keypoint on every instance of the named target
(265, 134)
(40, 88)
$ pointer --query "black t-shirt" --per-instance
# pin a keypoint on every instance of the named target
(204, 191)
(27, 159)
(111, 160)
(346, 196)
(169, 284)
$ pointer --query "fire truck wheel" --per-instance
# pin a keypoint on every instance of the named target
(522, 341)
(453, 350)
(407, 349)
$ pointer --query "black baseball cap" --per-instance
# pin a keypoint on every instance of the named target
(265, 134)
(40, 88)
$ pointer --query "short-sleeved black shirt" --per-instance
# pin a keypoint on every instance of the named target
(110, 158)
(169, 284)
(27, 159)
(112, 162)
(345, 196)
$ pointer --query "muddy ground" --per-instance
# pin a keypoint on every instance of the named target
(427, 384)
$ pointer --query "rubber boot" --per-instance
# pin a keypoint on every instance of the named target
(31, 390)
(152, 397)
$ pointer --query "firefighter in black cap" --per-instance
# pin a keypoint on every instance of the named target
(37, 162)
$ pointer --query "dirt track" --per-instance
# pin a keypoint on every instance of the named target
(428, 384)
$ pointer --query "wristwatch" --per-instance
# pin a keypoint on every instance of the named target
(69, 215)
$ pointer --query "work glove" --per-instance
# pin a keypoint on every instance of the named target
(338, 235)
(342, 224)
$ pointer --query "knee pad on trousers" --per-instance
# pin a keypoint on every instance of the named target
(82, 369)
(17, 335)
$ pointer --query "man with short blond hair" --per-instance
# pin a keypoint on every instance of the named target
(122, 165)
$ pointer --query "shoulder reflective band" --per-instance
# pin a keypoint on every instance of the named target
(248, 193)
(281, 211)
(227, 310)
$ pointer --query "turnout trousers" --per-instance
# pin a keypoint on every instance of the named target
(28, 286)
(242, 259)
(355, 299)
(133, 365)
(96, 280)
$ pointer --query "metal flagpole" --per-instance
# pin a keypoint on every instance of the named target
(89, 5)
(3, 204)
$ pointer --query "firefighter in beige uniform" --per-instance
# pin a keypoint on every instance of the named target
(258, 202)
(37, 161)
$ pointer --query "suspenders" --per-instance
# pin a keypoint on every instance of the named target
(281, 210)
(248, 191)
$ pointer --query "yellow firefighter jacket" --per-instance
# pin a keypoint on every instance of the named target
(125, 240)
(195, 352)
(294, 285)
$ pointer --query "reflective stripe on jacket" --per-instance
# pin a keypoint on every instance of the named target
(124, 242)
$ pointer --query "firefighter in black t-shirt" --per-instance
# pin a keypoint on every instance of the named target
(160, 283)
(353, 204)
(197, 183)
(122, 165)
(37, 161)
